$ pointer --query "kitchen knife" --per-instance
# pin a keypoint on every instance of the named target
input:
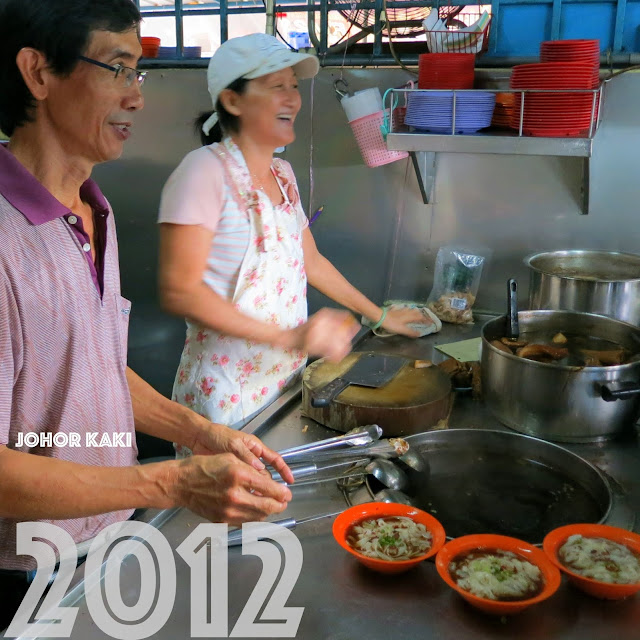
(513, 330)
(371, 370)
(235, 537)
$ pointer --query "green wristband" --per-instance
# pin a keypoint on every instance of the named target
(378, 324)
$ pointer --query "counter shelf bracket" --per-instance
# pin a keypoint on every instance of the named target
(424, 164)
(586, 184)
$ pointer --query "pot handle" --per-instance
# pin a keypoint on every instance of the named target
(619, 390)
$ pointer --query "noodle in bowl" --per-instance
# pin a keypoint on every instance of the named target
(497, 574)
(599, 559)
(388, 537)
(392, 538)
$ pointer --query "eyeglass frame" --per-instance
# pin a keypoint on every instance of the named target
(117, 69)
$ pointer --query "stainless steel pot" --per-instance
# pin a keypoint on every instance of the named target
(560, 402)
(603, 282)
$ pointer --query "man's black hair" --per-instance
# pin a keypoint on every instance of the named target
(61, 30)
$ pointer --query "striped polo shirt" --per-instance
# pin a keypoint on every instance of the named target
(63, 337)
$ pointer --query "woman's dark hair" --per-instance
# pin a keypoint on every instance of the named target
(227, 123)
(61, 30)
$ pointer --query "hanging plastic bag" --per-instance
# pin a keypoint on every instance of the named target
(455, 284)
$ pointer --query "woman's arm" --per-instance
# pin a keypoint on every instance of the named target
(322, 275)
(183, 256)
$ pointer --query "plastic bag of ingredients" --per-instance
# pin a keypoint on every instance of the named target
(455, 284)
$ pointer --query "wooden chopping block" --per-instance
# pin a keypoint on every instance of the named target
(415, 400)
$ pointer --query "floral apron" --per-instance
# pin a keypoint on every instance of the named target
(228, 379)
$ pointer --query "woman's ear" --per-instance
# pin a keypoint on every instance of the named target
(229, 99)
(33, 67)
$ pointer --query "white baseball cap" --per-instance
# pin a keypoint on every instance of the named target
(253, 56)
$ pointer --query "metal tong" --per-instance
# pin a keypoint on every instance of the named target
(358, 437)
(382, 449)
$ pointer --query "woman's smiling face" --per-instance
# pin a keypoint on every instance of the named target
(268, 108)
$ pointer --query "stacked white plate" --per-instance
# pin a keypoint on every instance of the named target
(433, 111)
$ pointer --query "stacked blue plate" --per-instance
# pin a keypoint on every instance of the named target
(433, 111)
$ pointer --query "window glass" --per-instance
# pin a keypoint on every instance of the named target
(147, 4)
(163, 28)
(202, 32)
(246, 23)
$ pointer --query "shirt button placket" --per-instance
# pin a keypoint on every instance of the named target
(86, 247)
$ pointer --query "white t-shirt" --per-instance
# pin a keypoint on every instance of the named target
(196, 193)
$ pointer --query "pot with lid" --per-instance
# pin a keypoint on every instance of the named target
(602, 282)
(564, 400)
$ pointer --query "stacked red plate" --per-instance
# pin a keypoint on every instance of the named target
(586, 51)
(446, 70)
(557, 113)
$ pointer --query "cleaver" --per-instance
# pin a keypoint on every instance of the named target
(371, 370)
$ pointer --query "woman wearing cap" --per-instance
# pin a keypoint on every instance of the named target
(235, 247)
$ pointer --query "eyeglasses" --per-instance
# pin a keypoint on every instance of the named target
(127, 74)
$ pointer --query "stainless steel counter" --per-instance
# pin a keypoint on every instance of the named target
(345, 601)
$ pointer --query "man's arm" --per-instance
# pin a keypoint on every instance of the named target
(157, 416)
(221, 488)
(35, 487)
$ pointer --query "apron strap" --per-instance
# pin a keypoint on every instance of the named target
(229, 181)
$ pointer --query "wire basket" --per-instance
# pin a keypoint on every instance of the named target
(457, 38)
(515, 113)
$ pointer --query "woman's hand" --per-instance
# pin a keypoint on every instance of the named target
(397, 321)
(327, 333)
(216, 438)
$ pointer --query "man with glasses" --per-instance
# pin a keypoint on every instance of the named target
(69, 93)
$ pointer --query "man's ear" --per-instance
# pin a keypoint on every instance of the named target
(33, 67)
(229, 100)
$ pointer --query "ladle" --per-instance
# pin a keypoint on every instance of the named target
(384, 471)
(388, 474)
(391, 495)
(416, 461)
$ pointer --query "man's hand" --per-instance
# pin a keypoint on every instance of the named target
(223, 488)
(216, 438)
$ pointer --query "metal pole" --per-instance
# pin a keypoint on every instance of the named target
(224, 21)
(179, 30)
(271, 17)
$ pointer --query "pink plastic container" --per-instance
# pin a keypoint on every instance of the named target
(371, 143)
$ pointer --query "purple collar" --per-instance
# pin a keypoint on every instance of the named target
(27, 195)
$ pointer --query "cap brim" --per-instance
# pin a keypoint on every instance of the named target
(305, 65)
(308, 67)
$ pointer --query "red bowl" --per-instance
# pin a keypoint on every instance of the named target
(150, 40)
(356, 514)
(526, 551)
(605, 590)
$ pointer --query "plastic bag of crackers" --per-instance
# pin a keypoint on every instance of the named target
(455, 284)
